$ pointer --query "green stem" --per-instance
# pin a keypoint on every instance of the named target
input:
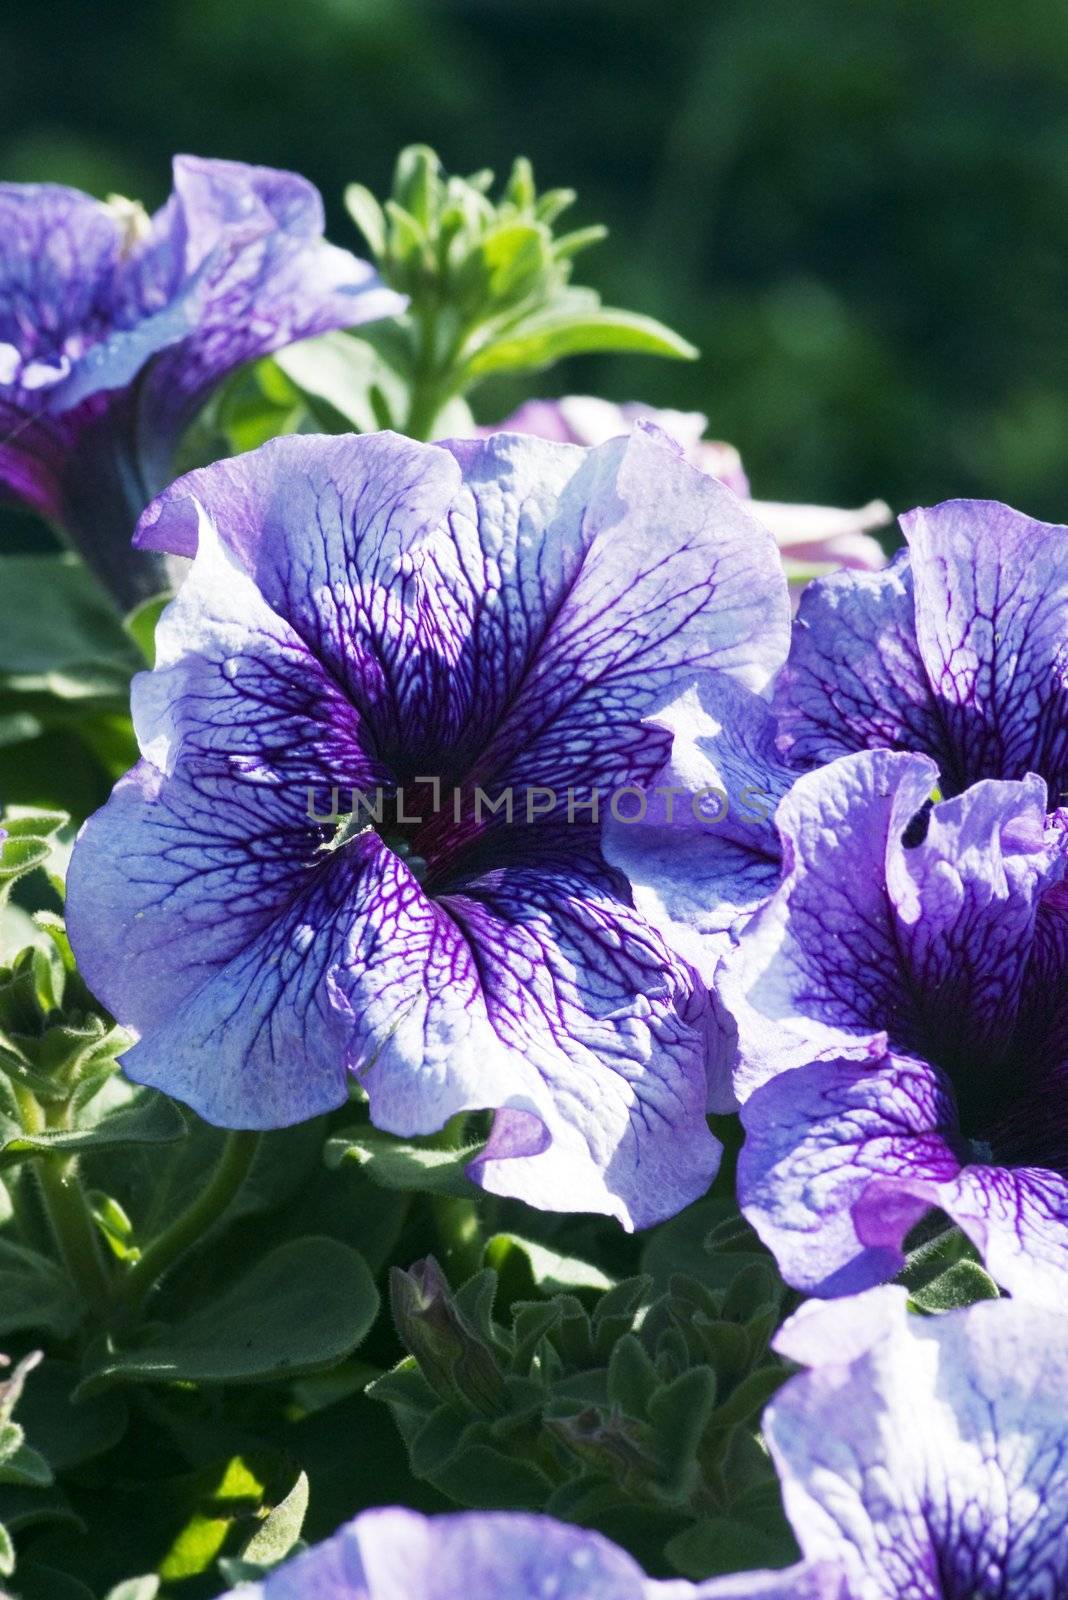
(233, 1167)
(68, 1210)
(459, 1227)
(74, 1228)
(434, 381)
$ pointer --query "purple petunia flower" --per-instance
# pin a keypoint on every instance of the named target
(116, 327)
(393, 1554)
(427, 630)
(811, 539)
(927, 1455)
(901, 1005)
(958, 650)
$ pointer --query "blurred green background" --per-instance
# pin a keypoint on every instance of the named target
(858, 211)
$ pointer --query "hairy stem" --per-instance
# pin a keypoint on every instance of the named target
(67, 1209)
(159, 1256)
(457, 1220)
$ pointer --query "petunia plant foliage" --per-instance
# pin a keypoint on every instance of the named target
(533, 1052)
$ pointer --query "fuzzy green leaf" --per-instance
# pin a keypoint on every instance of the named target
(301, 1308)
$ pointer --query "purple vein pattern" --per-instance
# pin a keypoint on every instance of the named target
(499, 616)
(958, 650)
(928, 1455)
(393, 1554)
(116, 327)
(901, 1006)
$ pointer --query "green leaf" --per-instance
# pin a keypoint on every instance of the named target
(678, 1414)
(141, 622)
(22, 1465)
(27, 1508)
(344, 371)
(29, 845)
(551, 335)
(74, 640)
(395, 1164)
(536, 1267)
(150, 1119)
(962, 1284)
(65, 1433)
(35, 1293)
(725, 1544)
(366, 213)
(303, 1307)
(146, 1588)
(280, 1530)
(7, 1553)
(36, 1582)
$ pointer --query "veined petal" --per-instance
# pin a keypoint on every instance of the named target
(582, 990)
(855, 678)
(677, 580)
(840, 1160)
(818, 968)
(250, 244)
(115, 327)
(895, 919)
(992, 626)
(210, 836)
(926, 1454)
(1017, 1218)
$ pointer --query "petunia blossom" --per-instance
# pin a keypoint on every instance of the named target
(901, 1006)
(115, 328)
(393, 1554)
(463, 644)
(812, 539)
(958, 650)
(928, 1456)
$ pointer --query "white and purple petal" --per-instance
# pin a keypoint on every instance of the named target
(393, 1554)
(381, 614)
(927, 1455)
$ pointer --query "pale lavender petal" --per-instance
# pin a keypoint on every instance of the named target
(582, 991)
(819, 965)
(208, 839)
(705, 853)
(928, 1455)
(374, 612)
(1017, 1219)
(840, 1160)
(825, 535)
(393, 1554)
